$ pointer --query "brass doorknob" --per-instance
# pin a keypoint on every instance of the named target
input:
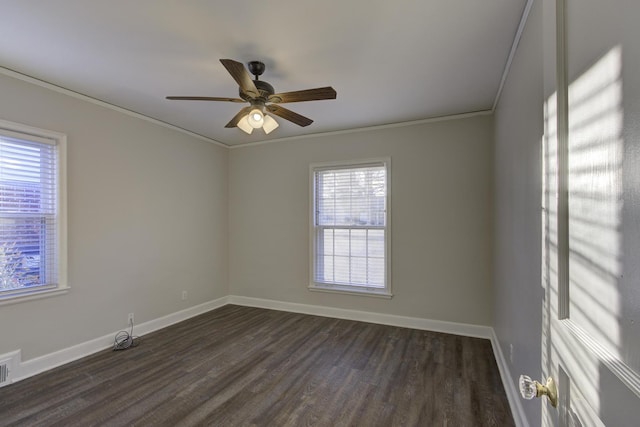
(530, 389)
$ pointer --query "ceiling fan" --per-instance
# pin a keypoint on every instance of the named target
(262, 99)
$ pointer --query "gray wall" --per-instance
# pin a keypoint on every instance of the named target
(441, 202)
(150, 212)
(147, 218)
(519, 130)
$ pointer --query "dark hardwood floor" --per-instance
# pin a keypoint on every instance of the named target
(240, 366)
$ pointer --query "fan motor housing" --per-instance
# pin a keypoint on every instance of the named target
(263, 87)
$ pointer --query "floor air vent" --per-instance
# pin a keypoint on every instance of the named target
(4, 372)
(9, 362)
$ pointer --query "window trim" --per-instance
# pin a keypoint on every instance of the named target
(59, 140)
(340, 288)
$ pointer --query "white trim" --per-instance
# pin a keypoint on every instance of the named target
(350, 290)
(58, 141)
(513, 395)
(368, 128)
(33, 295)
(463, 329)
(62, 231)
(11, 73)
(562, 158)
(512, 53)
(49, 361)
(35, 366)
(385, 292)
(604, 356)
(348, 164)
(16, 128)
(77, 95)
(454, 328)
(12, 134)
(52, 360)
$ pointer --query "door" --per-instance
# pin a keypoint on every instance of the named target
(591, 211)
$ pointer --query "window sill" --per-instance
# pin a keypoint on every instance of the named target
(33, 295)
(350, 291)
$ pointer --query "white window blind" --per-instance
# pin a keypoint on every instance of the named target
(350, 226)
(28, 214)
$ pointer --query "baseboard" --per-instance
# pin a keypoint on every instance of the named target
(40, 364)
(35, 366)
(464, 329)
(513, 395)
(367, 316)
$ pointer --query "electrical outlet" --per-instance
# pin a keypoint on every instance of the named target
(130, 319)
(184, 295)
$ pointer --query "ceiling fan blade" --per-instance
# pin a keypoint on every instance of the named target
(316, 94)
(234, 122)
(241, 76)
(289, 115)
(204, 98)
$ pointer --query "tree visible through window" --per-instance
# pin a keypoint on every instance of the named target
(29, 213)
(350, 230)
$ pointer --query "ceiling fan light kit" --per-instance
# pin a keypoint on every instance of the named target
(245, 126)
(261, 96)
(256, 118)
(269, 124)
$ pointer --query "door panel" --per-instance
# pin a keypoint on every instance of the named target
(591, 212)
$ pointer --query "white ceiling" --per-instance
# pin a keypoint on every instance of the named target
(389, 61)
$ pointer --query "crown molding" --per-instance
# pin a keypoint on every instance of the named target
(512, 52)
(14, 74)
(369, 128)
(25, 78)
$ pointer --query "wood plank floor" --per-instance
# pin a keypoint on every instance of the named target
(240, 366)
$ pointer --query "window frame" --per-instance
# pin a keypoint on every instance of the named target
(59, 141)
(313, 243)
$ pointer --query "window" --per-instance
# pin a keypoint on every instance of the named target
(32, 222)
(350, 232)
